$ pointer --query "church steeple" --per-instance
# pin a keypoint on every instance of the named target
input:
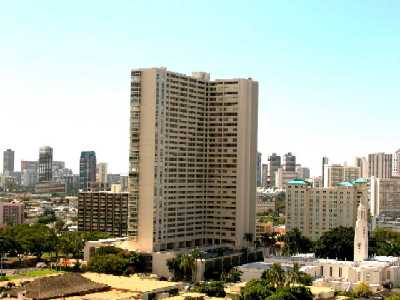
(361, 233)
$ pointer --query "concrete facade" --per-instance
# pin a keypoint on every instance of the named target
(193, 147)
(103, 211)
(380, 165)
(317, 210)
(385, 196)
(335, 173)
(11, 213)
(396, 164)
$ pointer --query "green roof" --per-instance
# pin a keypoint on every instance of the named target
(345, 184)
(360, 181)
(297, 181)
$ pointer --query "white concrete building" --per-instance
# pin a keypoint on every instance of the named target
(192, 173)
(344, 275)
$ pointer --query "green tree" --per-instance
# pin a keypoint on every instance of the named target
(295, 242)
(393, 297)
(336, 243)
(35, 239)
(108, 264)
(233, 275)
(268, 240)
(384, 242)
(362, 290)
(283, 294)
(274, 277)
(48, 216)
(211, 288)
(255, 290)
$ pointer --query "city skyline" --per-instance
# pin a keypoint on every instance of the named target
(321, 80)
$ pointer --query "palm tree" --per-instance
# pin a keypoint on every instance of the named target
(293, 276)
(188, 265)
(275, 276)
(268, 240)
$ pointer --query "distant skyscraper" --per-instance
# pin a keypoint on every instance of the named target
(303, 172)
(8, 162)
(380, 165)
(101, 173)
(396, 164)
(265, 180)
(289, 162)
(87, 170)
(274, 163)
(258, 177)
(362, 163)
(29, 173)
(45, 164)
(192, 160)
(325, 161)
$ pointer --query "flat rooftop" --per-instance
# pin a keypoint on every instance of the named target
(133, 283)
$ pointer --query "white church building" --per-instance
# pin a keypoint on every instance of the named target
(344, 275)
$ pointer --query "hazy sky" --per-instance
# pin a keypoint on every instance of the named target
(329, 71)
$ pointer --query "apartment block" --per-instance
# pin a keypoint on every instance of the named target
(11, 213)
(335, 173)
(385, 196)
(396, 164)
(380, 165)
(317, 210)
(103, 211)
(193, 154)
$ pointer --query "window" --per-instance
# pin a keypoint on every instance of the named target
(322, 270)
(330, 271)
(340, 272)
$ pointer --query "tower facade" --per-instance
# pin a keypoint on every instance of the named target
(45, 167)
(361, 233)
(274, 163)
(8, 162)
(380, 165)
(289, 162)
(192, 160)
(259, 171)
(396, 164)
(87, 170)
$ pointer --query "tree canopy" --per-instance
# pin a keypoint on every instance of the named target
(295, 242)
(336, 243)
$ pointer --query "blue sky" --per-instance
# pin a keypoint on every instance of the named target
(329, 71)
